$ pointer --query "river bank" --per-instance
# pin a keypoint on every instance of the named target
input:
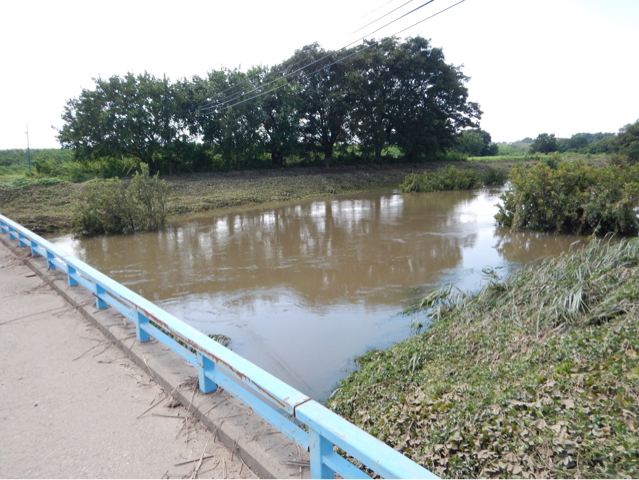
(535, 377)
(47, 209)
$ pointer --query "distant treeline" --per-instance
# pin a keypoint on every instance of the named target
(625, 143)
(373, 103)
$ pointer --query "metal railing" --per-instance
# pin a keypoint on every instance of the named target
(303, 420)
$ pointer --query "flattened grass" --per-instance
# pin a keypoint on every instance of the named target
(537, 376)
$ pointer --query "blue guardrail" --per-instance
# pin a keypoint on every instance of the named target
(308, 423)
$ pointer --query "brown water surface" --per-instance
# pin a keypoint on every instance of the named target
(301, 288)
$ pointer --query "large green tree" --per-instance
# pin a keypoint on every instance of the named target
(226, 118)
(379, 94)
(627, 142)
(123, 116)
(544, 143)
(476, 143)
(280, 118)
(324, 106)
(373, 99)
(432, 98)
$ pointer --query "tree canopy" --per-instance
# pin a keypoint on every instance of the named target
(544, 143)
(627, 142)
(386, 93)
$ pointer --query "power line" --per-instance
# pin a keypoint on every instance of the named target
(227, 100)
(335, 62)
(428, 18)
(375, 9)
(301, 61)
(385, 15)
(399, 18)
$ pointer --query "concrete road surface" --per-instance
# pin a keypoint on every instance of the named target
(73, 405)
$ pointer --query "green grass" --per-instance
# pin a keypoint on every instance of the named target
(537, 376)
(9, 173)
(511, 158)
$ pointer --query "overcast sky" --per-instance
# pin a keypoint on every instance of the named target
(542, 66)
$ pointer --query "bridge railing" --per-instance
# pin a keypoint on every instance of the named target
(303, 420)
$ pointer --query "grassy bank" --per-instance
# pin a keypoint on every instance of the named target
(48, 208)
(534, 377)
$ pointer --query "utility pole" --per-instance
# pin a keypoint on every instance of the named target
(28, 153)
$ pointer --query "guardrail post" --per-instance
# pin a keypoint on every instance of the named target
(70, 273)
(34, 245)
(204, 365)
(99, 290)
(22, 240)
(319, 446)
(50, 257)
(12, 233)
(3, 227)
(143, 336)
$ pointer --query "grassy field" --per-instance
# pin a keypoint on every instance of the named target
(48, 208)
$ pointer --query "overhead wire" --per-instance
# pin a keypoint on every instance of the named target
(377, 8)
(346, 57)
(363, 16)
(385, 15)
(225, 101)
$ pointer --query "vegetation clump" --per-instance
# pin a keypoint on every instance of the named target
(572, 198)
(110, 206)
(452, 178)
(534, 377)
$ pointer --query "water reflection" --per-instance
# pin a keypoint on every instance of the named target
(303, 287)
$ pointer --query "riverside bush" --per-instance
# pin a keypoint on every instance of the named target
(446, 178)
(109, 206)
(453, 178)
(572, 198)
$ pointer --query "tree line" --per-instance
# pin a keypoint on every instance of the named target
(624, 144)
(381, 100)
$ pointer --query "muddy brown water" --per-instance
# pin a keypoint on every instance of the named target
(302, 288)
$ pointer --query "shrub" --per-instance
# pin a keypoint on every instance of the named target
(492, 177)
(109, 206)
(573, 198)
(452, 178)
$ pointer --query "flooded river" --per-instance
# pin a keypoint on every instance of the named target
(301, 288)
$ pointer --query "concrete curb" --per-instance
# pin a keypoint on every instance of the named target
(263, 448)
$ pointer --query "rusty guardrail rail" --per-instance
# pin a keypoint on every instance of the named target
(303, 420)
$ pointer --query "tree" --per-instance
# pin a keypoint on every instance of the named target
(544, 143)
(432, 100)
(226, 118)
(130, 116)
(627, 142)
(371, 85)
(476, 143)
(324, 107)
(279, 117)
